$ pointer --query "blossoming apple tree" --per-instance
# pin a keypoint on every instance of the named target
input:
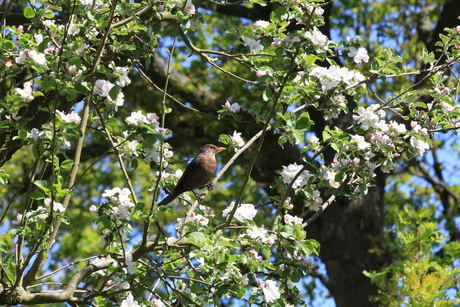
(65, 75)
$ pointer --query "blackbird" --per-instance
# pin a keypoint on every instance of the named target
(197, 174)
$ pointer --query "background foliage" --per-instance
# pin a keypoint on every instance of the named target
(386, 237)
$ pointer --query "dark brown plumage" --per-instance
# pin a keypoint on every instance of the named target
(197, 174)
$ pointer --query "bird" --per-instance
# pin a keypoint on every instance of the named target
(197, 174)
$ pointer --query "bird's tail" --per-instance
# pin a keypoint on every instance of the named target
(167, 200)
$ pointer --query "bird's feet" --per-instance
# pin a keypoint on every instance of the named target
(208, 186)
(200, 197)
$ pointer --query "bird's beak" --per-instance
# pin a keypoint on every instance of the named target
(218, 149)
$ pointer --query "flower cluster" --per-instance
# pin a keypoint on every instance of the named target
(289, 172)
(333, 76)
(31, 55)
(270, 290)
(197, 219)
(355, 51)
(254, 45)
(137, 118)
(233, 107)
(260, 235)
(72, 117)
(152, 154)
(27, 92)
(244, 212)
(369, 117)
(292, 220)
(318, 39)
(237, 140)
(117, 211)
(41, 213)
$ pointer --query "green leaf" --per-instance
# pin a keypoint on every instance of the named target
(336, 146)
(7, 44)
(3, 177)
(49, 14)
(225, 139)
(48, 83)
(309, 247)
(299, 136)
(67, 163)
(70, 94)
(222, 290)
(37, 195)
(232, 244)
(81, 89)
(295, 275)
(41, 184)
(197, 238)
(3, 247)
(326, 135)
(75, 61)
(64, 219)
(114, 92)
(304, 122)
(29, 12)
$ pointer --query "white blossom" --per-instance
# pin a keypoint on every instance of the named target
(261, 24)
(358, 54)
(330, 176)
(419, 145)
(129, 148)
(253, 45)
(292, 220)
(157, 303)
(369, 117)
(289, 172)
(18, 219)
(94, 211)
(57, 207)
(26, 93)
(98, 4)
(136, 118)
(355, 39)
(270, 290)
(189, 8)
(315, 201)
(123, 79)
(102, 87)
(35, 134)
(318, 39)
(316, 10)
(130, 264)
(417, 128)
(244, 211)
(130, 302)
(38, 38)
(237, 140)
(73, 29)
(362, 144)
(332, 76)
(13, 117)
(286, 41)
(71, 117)
(234, 107)
(31, 54)
(313, 139)
(400, 128)
(118, 102)
(260, 234)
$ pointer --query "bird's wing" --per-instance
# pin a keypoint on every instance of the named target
(192, 166)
